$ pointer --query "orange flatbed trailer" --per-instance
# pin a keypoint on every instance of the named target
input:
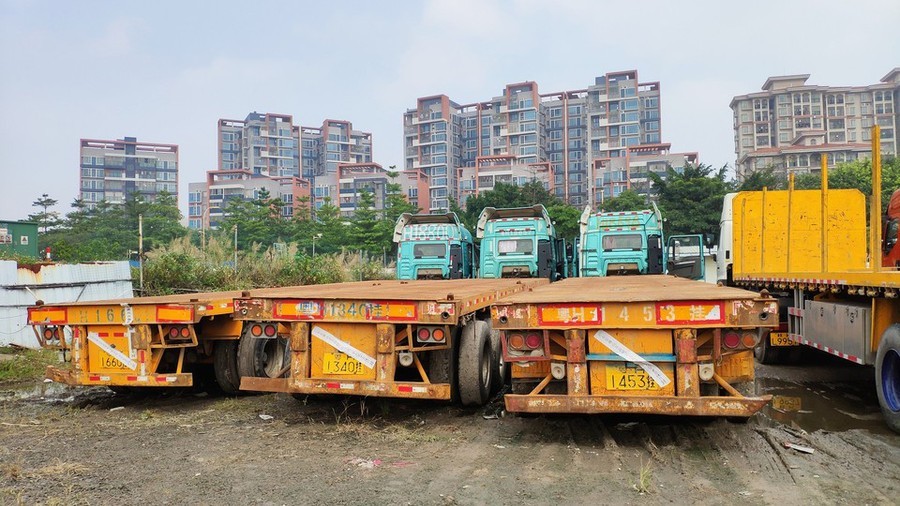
(135, 342)
(632, 344)
(425, 339)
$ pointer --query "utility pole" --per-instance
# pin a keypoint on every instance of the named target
(141, 251)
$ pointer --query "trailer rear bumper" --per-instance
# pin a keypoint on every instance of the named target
(405, 390)
(76, 378)
(741, 407)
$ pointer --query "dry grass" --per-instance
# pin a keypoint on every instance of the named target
(25, 365)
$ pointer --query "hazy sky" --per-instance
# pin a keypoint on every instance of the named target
(165, 71)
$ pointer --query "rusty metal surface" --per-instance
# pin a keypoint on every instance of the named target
(691, 406)
(408, 390)
(445, 289)
(183, 298)
(80, 378)
(628, 289)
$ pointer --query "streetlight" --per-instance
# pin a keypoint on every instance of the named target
(314, 237)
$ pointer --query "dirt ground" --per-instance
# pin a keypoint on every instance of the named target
(89, 446)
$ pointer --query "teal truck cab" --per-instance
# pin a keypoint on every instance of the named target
(519, 243)
(631, 242)
(434, 246)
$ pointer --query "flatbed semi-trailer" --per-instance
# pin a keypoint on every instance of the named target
(425, 339)
(632, 344)
(144, 341)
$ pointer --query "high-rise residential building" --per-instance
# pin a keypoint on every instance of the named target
(113, 170)
(567, 140)
(264, 144)
(268, 151)
(789, 124)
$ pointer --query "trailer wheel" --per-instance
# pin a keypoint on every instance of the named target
(475, 363)
(765, 353)
(262, 358)
(500, 368)
(887, 376)
(225, 366)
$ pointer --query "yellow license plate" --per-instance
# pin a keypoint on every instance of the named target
(340, 364)
(623, 377)
(785, 403)
(780, 339)
(107, 361)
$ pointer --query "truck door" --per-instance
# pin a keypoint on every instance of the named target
(654, 254)
(685, 256)
(456, 261)
(545, 260)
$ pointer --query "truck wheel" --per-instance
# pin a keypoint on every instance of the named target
(225, 366)
(765, 353)
(887, 376)
(499, 372)
(262, 358)
(475, 363)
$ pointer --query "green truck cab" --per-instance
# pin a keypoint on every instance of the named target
(631, 242)
(519, 242)
(434, 246)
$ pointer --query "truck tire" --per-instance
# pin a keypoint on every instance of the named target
(500, 368)
(262, 358)
(225, 366)
(475, 363)
(765, 353)
(887, 376)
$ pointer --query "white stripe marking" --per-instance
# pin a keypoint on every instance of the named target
(342, 346)
(623, 351)
(118, 355)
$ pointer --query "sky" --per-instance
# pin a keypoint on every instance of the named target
(166, 71)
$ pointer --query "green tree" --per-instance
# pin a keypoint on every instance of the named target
(45, 218)
(329, 229)
(507, 195)
(628, 200)
(565, 220)
(258, 221)
(764, 178)
(162, 221)
(365, 234)
(856, 174)
(691, 199)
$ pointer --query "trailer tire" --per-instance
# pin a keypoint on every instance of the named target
(765, 353)
(225, 366)
(475, 363)
(262, 358)
(500, 367)
(887, 376)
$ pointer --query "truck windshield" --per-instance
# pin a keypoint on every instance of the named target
(429, 250)
(624, 241)
(515, 247)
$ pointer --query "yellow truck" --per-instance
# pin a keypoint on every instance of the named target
(816, 250)
(142, 342)
(649, 344)
(420, 339)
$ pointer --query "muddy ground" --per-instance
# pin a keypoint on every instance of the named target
(89, 446)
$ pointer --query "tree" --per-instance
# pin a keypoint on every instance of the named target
(365, 235)
(565, 220)
(856, 174)
(765, 178)
(46, 219)
(628, 200)
(507, 195)
(691, 199)
(258, 221)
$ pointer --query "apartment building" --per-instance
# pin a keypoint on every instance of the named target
(294, 163)
(566, 140)
(112, 170)
(789, 124)
(354, 178)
